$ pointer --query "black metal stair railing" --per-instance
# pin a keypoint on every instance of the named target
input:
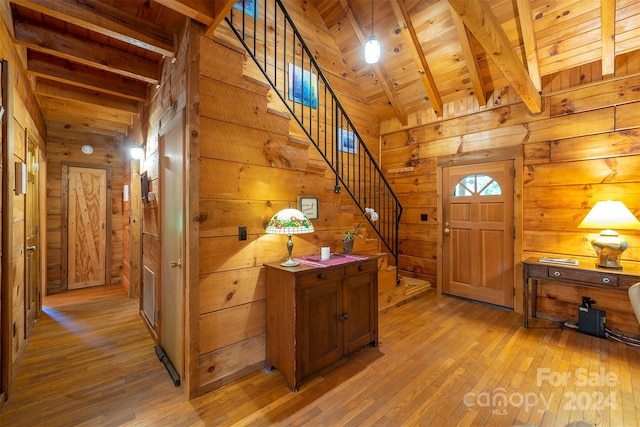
(275, 44)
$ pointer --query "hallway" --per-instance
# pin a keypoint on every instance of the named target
(90, 361)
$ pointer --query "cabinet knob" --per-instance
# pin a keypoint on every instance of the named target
(322, 276)
(605, 280)
(345, 316)
(361, 267)
(556, 273)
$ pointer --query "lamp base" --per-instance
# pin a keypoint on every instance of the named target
(290, 263)
(609, 248)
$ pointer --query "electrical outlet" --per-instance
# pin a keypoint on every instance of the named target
(424, 217)
(242, 233)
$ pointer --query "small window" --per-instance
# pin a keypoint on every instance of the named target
(479, 183)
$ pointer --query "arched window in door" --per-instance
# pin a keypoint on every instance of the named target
(477, 183)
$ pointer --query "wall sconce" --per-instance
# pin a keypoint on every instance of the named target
(21, 178)
(609, 246)
(136, 152)
(289, 221)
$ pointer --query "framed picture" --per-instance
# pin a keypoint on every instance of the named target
(308, 205)
(347, 141)
(303, 86)
(250, 7)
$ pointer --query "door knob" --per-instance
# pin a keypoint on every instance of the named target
(31, 248)
(175, 264)
(446, 230)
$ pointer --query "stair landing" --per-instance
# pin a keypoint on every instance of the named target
(391, 296)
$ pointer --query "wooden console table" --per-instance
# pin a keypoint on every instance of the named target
(580, 275)
(315, 315)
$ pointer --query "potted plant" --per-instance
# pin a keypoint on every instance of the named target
(347, 242)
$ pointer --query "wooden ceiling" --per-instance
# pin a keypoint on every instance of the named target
(91, 62)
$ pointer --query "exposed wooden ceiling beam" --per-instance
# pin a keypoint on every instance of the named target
(409, 33)
(209, 13)
(79, 109)
(470, 59)
(91, 98)
(378, 69)
(480, 20)
(608, 29)
(109, 21)
(529, 39)
(85, 123)
(61, 70)
(71, 136)
(58, 43)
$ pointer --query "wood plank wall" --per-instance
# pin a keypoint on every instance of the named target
(22, 117)
(583, 148)
(254, 161)
(64, 149)
(132, 225)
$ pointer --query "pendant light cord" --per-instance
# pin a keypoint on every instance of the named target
(371, 18)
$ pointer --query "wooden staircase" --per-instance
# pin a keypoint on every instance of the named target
(393, 291)
(391, 295)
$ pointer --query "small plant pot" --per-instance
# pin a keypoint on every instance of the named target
(347, 246)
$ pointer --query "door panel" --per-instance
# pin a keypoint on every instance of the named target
(359, 297)
(32, 238)
(87, 212)
(171, 199)
(322, 344)
(477, 203)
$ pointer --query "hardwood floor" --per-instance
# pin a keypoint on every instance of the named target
(441, 361)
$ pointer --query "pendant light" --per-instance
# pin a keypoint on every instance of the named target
(372, 46)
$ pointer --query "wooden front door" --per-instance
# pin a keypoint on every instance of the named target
(86, 227)
(171, 299)
(32, 238)
(478, 228)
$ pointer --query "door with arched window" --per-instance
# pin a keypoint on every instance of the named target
(478, 232)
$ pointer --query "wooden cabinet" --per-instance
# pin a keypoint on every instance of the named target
(315, 315)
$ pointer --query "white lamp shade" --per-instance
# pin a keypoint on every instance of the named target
(610, 214)
(372, 50)
(289, 221)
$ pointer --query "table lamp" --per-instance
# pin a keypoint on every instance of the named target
(609, 246)
(289, 221)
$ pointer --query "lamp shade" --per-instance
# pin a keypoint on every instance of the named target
(607, 215)
(610, 214)
(289, 221)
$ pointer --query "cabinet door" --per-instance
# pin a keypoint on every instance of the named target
(322, 335)
(361, 327)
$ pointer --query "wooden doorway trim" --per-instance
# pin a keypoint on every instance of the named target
(514, 153)
(6, 146)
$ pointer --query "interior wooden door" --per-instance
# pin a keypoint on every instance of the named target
(478, 228)
(32, 238)
(171, 199)
(86, 227)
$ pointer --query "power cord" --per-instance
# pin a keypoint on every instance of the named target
(570, 325)
(616, 336)
(622, 338)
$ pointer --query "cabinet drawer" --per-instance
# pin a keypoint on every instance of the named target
(363, 267)
(319, 276)
(602, 279)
